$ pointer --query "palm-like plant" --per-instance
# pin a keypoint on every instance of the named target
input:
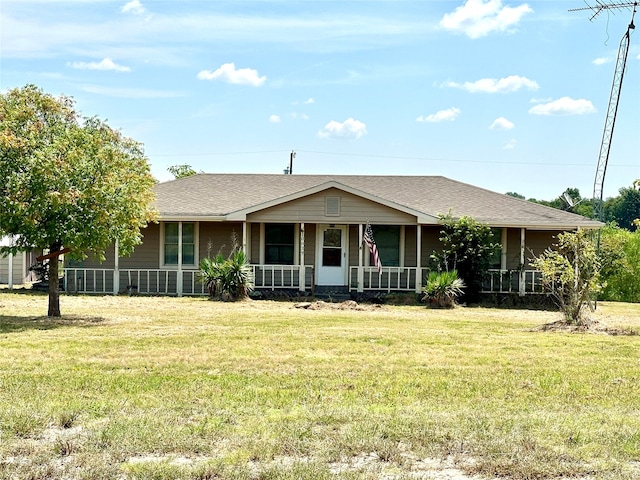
(443, 288)
(227, 278)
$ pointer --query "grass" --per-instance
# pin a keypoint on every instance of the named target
(166, 388)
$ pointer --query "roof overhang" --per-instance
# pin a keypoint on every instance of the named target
(190, 218)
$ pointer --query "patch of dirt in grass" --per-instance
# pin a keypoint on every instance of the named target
(588, 326)
(346, 305)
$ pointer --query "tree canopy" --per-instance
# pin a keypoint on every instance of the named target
(68, 181)
(181, 171)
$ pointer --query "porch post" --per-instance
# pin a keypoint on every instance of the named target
(116, 269)
(10, 266)
(360, 288)
(23, 270)
(503, 247)
(418, 258)
(179, 272)
(301, 274)
(522, 289)
(244, 237)
(262, 254)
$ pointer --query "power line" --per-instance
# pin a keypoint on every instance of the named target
(380, 156)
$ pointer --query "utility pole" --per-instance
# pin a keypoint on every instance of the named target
(291, 157)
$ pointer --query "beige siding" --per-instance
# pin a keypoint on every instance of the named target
(513, 248)
(410, 253)
(430, 243)
(21, 263)
(309, 243)
(354, 247)
(537, 242)
(146, 255)
(254, 229)
(218, 237)
(353, 209)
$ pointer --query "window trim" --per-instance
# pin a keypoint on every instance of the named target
(196, 247)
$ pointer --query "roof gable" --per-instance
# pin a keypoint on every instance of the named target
(242, 214)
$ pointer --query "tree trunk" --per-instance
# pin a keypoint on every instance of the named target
(54, 283)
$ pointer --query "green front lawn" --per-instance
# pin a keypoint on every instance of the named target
(163, 388)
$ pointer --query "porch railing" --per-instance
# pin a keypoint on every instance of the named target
(167, 282)
(282, 276)
(397, 279)
(88, 280)
(513, 281)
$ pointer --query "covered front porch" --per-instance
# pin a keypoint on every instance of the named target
(292, 256)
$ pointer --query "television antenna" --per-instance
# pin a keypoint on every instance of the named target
(614, 98)
(600, 6)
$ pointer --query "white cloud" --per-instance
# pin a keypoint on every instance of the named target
(510, 145)
(104, 64)
(309, 101)
(449, 114)
(274, 119)
(478, 18)
(134, 6)
(350, 128)
(564, 106)
(501, 123)
(602, 60)
(228, 73)
(508, 84)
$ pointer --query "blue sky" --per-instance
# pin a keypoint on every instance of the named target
(506, 95)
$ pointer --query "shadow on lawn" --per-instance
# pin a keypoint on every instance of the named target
(12, 324)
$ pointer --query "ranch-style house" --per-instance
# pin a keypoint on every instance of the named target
(305, 233)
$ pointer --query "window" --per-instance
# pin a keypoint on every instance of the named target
(387, 238)
(279, 243)
(495, 261)
(171, 235)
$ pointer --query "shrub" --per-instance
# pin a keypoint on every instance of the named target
(228, 278)
(620, 260)
(570, 273)
(443, 288)
(467, 247)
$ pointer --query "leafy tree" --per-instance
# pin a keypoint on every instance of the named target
(624, 209)
(636, 221)
(68, 183)
(570, 273)
(620, 264)
(515, 195)
(467, 246)
(181, 171)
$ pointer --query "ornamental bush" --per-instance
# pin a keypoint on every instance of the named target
(570, 273)
(443, 288)
(228, 278)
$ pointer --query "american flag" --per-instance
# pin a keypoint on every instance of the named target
(371, 243)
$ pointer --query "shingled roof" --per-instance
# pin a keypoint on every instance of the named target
(230, 196)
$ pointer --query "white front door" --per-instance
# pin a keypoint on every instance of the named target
(331, 264)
